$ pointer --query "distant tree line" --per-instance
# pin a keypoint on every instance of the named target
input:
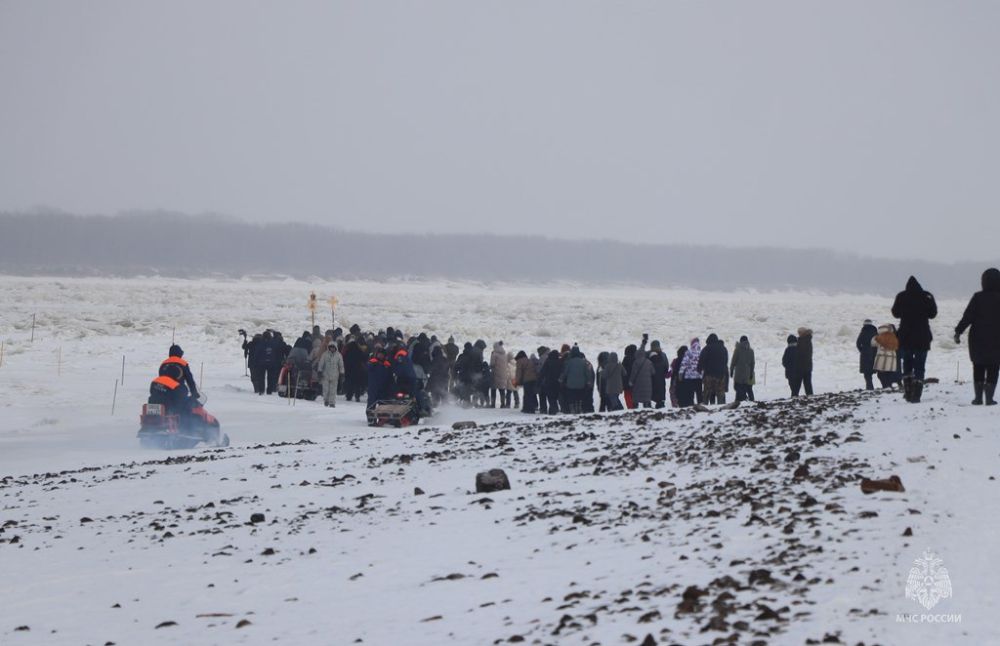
(172, 244)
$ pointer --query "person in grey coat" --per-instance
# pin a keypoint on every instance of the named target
(640, 380)
(330, 368)
(613, 381)
(741, 369)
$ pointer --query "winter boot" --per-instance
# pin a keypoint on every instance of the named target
(978, 387)
(907, 388)
(917, 392)
(990, 390)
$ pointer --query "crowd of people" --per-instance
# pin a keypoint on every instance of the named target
(546, 380)
(381, 364)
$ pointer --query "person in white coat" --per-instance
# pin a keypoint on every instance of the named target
(330, 368)
(501, 375)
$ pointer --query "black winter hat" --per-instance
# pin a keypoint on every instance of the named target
(175, 351)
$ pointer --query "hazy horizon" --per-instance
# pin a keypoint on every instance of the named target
(866, 128)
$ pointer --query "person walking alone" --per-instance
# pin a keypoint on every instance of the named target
(982, 319)
(914, 307)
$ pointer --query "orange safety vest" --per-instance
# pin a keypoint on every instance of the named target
(171, 384)
(375, 361)
(177, 360)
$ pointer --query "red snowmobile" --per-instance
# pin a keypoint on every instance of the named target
(161, 429)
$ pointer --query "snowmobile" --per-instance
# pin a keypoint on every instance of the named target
(161, 429)
(402, 411)
(296, 379)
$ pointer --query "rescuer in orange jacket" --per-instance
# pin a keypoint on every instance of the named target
(169, 390)
(176, 359)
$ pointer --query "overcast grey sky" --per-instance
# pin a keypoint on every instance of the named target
(864, 126)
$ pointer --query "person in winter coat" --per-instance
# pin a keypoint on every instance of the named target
(421, 352)
(379, 378)
(713, 364)
(628, 359)
(574, 380)
(319, 346)
(500, 370)
(675, 375)
(355, 367)
(512, 388)
(886, 363)
(588, 396)
(661, 370)
(271, 359)
(640, 379)
(526, 376)
(613, 382)
(804, 362)
(741, 369)
(914, 307)
(602, 360)
(866, 350)
(788, 362)
(438, 381)
(330, 368)
(485, 383)
(549, 379)
(403, 372)
(175, 357)
(255, 362)
(689, 389)
(304, 342)
(463, 375)
(982, 318)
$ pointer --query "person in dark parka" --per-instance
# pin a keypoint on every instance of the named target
(402, 370)
(355, 360)
(640, 380)
(574, 379)
(982, 318)
(788, 362)
(463, 374)
(379, 378)
(675, 376)
(804, 362)
(713, 363)
(549, 379)
(661, 370)
(438, 381)
(741, 369)
(914, 307)
(628, 358)
(867, 352)
(253, 350)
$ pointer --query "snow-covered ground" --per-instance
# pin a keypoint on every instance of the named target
(609, 522)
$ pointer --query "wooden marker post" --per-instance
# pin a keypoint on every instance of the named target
(114, 398)
(32, 328)
(312, 309)
(333, 311)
